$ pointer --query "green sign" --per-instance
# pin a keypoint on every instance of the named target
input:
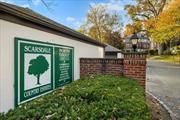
(40, 68)
(63, 66)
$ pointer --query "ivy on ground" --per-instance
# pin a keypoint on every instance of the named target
(90, 98)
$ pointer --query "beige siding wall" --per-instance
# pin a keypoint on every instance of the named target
(11, 30)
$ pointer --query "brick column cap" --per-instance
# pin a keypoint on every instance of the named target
(136, 53)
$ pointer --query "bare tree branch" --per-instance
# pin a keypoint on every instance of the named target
(43, 2)
(162, 7)
(46, 5)
(142, 15)
(153, 8)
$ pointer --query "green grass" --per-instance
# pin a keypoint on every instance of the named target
(90, 98)
(166, 58)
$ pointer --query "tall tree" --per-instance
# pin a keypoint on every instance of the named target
(147, 10)
(103, 25)
(166, 27)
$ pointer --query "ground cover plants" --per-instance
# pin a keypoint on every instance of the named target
(90, 98)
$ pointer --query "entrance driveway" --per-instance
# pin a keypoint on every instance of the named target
(163, 81)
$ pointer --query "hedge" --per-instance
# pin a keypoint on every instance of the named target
(90, 98)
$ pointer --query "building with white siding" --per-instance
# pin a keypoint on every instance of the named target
(21, 26)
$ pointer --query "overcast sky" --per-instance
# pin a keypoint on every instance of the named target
(72, 13)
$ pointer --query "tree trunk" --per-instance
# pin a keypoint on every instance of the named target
(160, 49)
(38, 78)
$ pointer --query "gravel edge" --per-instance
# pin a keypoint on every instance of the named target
(163, 105)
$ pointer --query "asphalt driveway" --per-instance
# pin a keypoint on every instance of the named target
(163, 81)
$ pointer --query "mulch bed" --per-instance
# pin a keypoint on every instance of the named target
(158, 112)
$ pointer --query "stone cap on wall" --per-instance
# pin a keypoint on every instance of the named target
(135, 55)
(101, 60)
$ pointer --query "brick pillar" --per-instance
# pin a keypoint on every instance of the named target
(135, 67)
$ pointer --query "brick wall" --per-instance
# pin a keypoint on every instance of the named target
(133, 65)
(92, 66)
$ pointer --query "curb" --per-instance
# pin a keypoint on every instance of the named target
(172, 115)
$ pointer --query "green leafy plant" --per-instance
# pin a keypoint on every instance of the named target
(153, 52)
(90, 98)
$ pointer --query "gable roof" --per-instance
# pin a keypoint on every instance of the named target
(137, 36)
(110, 48)
(31, 16)
(140, 35)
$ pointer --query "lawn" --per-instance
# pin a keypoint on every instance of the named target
(166, 58)
(90, 98)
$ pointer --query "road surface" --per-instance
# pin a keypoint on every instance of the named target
(163, 81)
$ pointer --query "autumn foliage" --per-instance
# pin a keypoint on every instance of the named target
(103, 26)
(161, 18)
(132, 28)
(166, 26)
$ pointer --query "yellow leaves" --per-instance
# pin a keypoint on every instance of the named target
(103, 25)
(166, 26)
(160, 18)
(175, 4)
(132, 10)
(149, 24)
(129, 30)
(132, 28)
(166, 19)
